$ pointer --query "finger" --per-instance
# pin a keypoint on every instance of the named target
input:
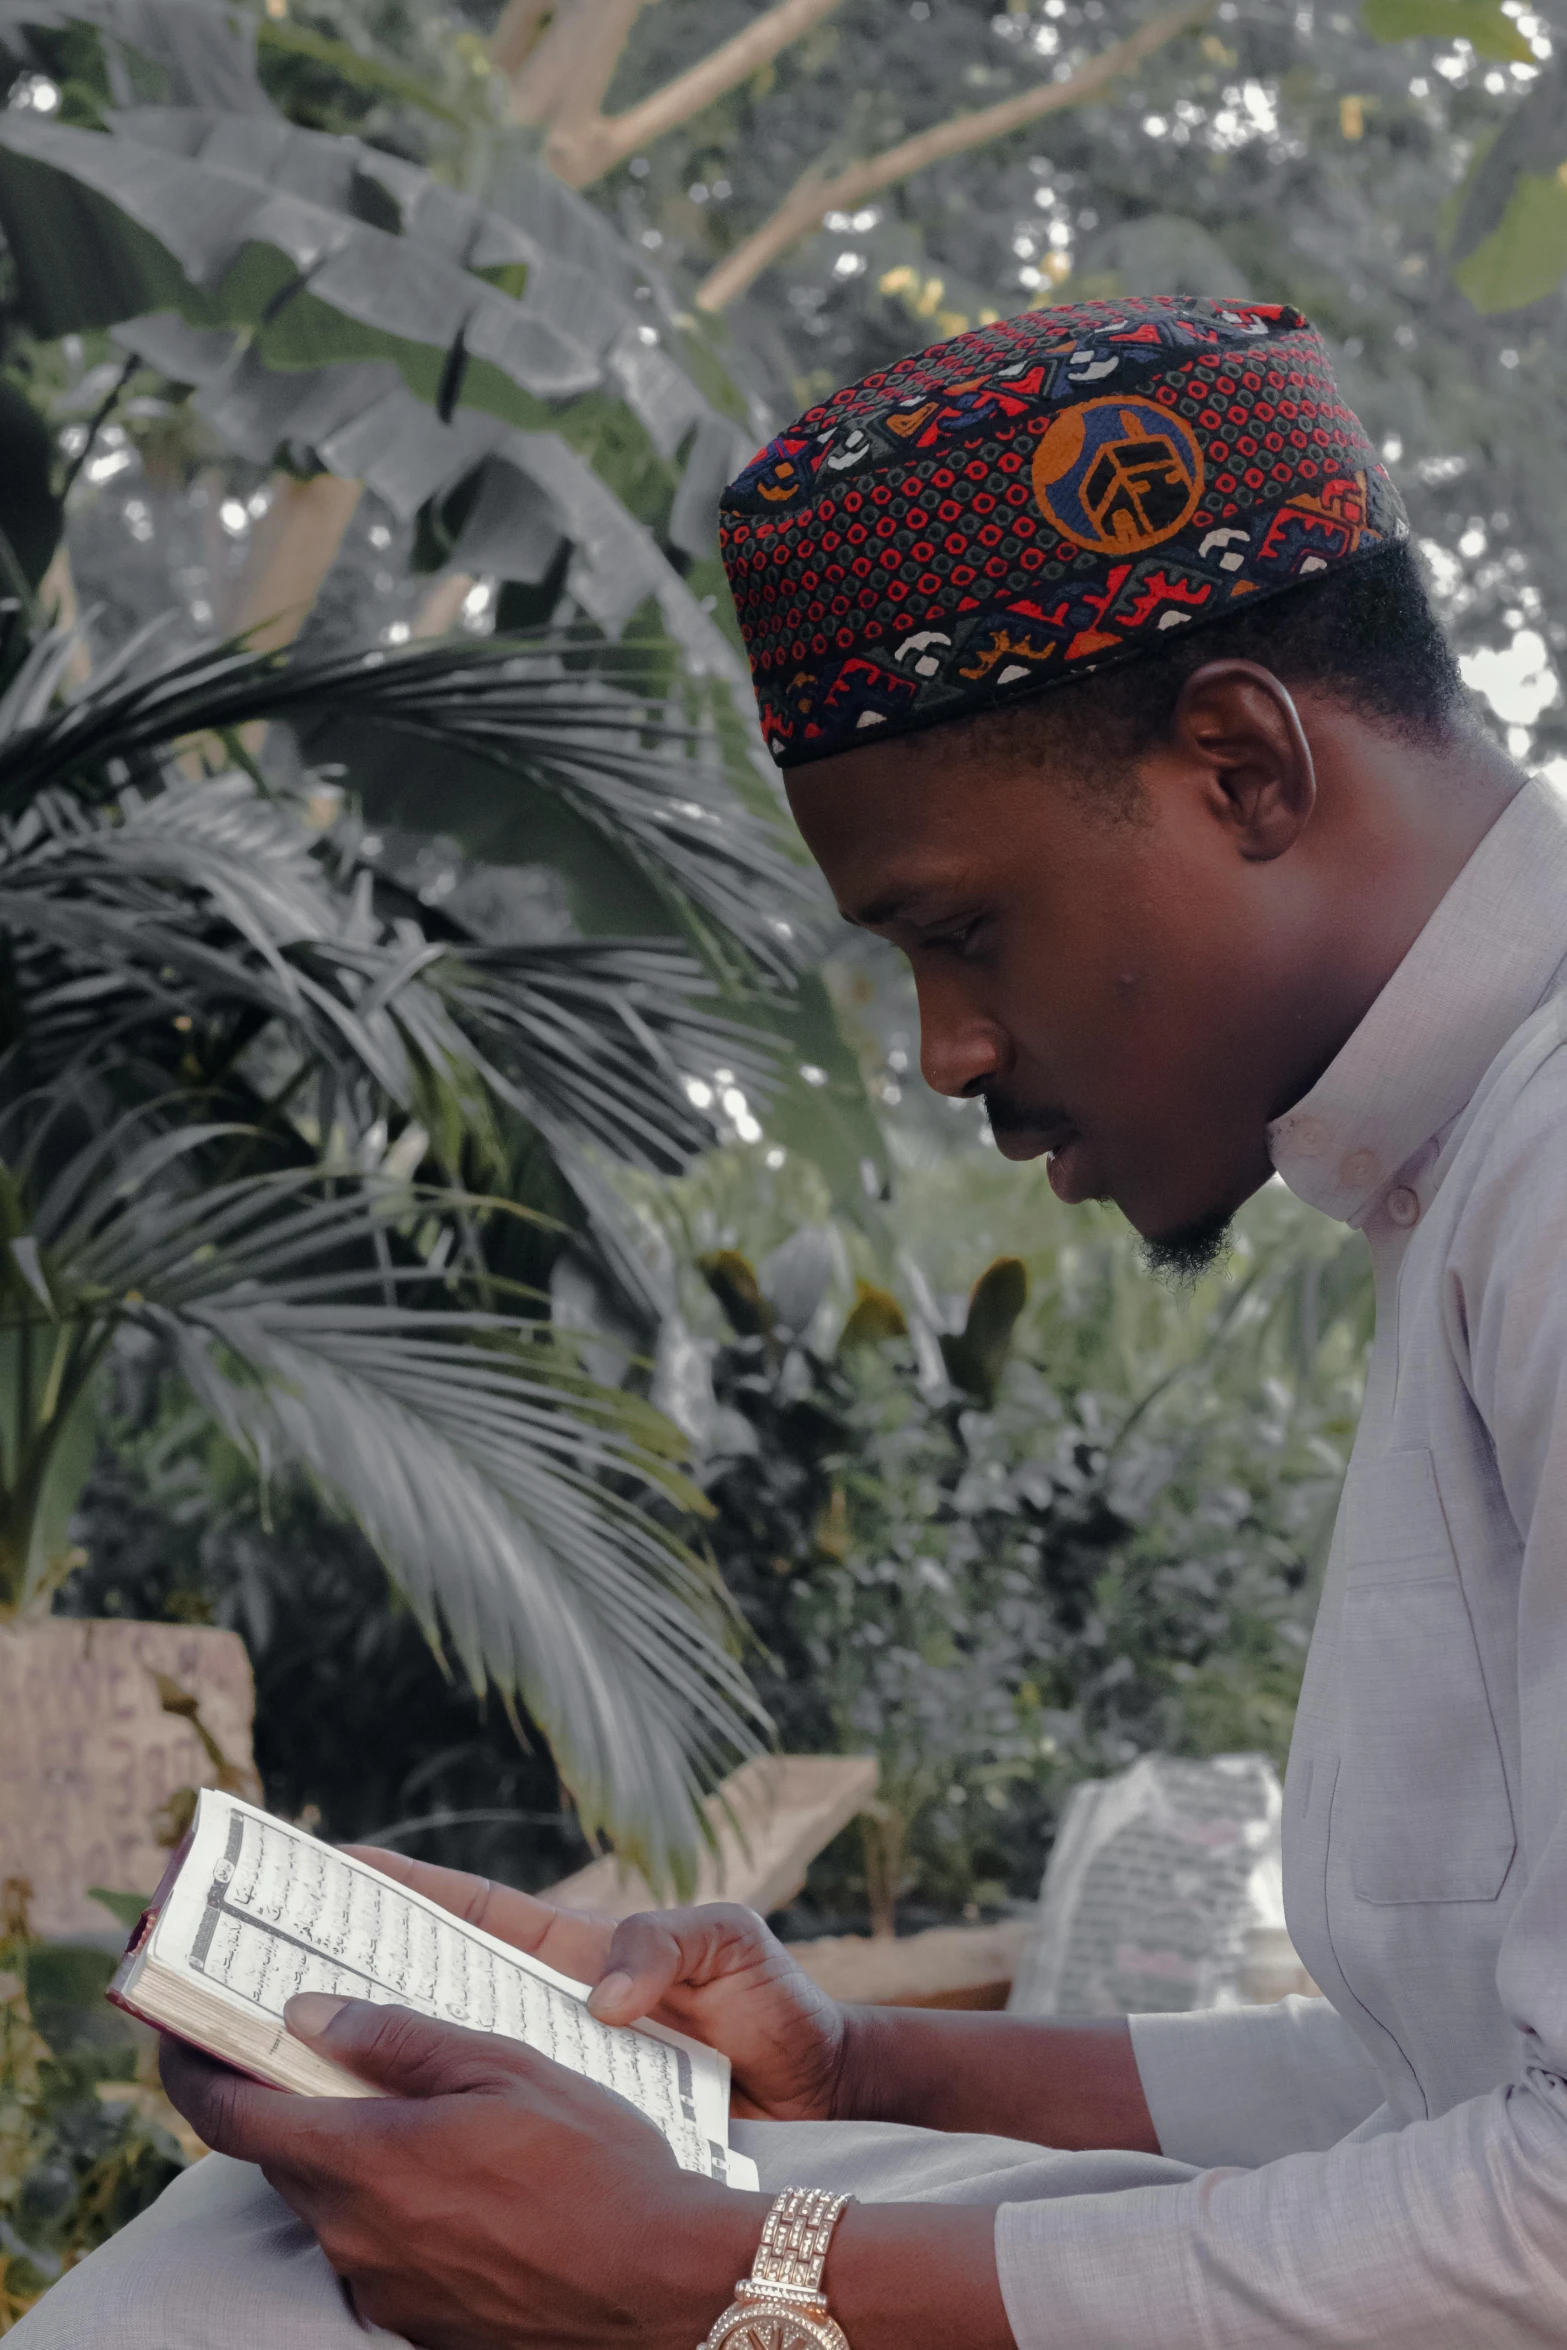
(404, 2054)
(574, 1942)
(653, 1951)
(230, 2112)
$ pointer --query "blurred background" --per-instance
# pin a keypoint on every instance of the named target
(474, 1233)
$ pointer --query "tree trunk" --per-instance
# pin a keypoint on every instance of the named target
(441, 608)
(293, 548)
(882, 1837)
(517, 35)
(565, 72)
(58, 604)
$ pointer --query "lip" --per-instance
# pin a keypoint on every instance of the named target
(1068, 1171)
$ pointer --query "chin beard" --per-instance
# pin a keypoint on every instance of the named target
(1182, 1257)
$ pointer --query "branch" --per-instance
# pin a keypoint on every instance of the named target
(815, 195)
(441, 607)
(588, 148)
(292, 550)
(513, 41)
(561, 77)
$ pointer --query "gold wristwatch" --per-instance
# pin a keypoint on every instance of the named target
(781, 2305)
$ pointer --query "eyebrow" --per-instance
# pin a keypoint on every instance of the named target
(889, 909)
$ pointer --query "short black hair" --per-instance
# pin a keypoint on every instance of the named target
(1366, 636)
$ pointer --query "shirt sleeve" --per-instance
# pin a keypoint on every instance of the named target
(1441, 2236)
(1452, 2231)
(1244, 2085)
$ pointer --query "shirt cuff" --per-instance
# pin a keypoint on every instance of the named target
(1241, 2086)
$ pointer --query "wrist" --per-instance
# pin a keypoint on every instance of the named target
(917, 2276)
(699, 2251)
(857, 2088)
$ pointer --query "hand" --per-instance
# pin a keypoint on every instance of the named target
(714, 1972)
(490, 2200)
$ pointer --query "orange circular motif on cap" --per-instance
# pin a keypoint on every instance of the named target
(1118, 474)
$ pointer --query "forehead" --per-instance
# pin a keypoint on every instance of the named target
(900, 818)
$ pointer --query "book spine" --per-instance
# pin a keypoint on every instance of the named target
(145, 1923)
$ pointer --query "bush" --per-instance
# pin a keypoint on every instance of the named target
(359, 1729)
(86, 2138)
(1010, 1544)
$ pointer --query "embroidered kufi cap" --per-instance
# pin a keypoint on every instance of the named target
(1039, 498)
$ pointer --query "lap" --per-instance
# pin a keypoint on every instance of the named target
(218, 2263)
(886, 2162)
(221, 2263)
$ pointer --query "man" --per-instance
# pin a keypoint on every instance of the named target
(1105, 687)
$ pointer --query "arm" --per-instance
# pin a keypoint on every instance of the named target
(1450, 2232)
(1068, 2084)
(1239, 2085)
(1242, 2086)
(1245, 2085)
(490, 2200)
(717, 1973)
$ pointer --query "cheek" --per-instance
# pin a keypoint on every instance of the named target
(1085, 998)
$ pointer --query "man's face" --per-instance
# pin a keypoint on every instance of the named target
(1121, 989)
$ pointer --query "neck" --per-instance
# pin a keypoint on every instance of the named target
(1395, 824)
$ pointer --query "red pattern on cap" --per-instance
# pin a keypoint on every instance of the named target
(1004, 511)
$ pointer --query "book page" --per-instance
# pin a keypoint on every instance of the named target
(261, 1910)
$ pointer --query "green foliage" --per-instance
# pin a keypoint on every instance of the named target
(125, 1908)
(976, 1355)
(31, 508)
(86, 2138)
(1525, 256)
(874, 1317)
(1285, 154)
(733, 1282)
(1090, 1531)
(515, 359)
(1508, 240)
(1484, 24)
(257, 1100)
(361, 77)
(360, 1729)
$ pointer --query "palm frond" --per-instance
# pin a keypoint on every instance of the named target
(595, 1040)
(208, 895)
(210, 904)
(508, 1494)
(594, 736)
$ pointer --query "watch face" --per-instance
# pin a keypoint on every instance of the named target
(753, 2325)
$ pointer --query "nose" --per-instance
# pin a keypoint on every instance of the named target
(961, 1049)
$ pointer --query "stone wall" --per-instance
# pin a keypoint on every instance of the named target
(91, 1761)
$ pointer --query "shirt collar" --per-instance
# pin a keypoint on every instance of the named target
(1482, 964)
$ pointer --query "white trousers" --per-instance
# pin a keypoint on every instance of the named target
(221, 2263)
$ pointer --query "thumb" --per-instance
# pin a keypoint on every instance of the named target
(402, 2054)
(644, 1960)
(656, 1949)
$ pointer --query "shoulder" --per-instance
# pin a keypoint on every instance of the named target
(1506, 1185)
(1508, 1152)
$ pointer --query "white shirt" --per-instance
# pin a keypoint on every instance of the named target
(1395, 2155)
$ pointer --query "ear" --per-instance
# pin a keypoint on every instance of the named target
(1235, 721)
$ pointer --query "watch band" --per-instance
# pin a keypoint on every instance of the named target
(793, 2251)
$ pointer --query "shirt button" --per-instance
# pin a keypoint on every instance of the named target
(1359, 1169)
(1403, 1205)
(1306, 1135)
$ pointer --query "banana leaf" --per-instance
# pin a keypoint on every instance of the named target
(370, 290)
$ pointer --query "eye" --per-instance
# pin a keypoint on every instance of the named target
(959, 939)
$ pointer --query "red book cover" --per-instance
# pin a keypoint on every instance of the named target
(143, 1927)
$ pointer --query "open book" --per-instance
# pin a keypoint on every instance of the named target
(251, 1911)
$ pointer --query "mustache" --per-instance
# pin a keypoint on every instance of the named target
(1010, 1114)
